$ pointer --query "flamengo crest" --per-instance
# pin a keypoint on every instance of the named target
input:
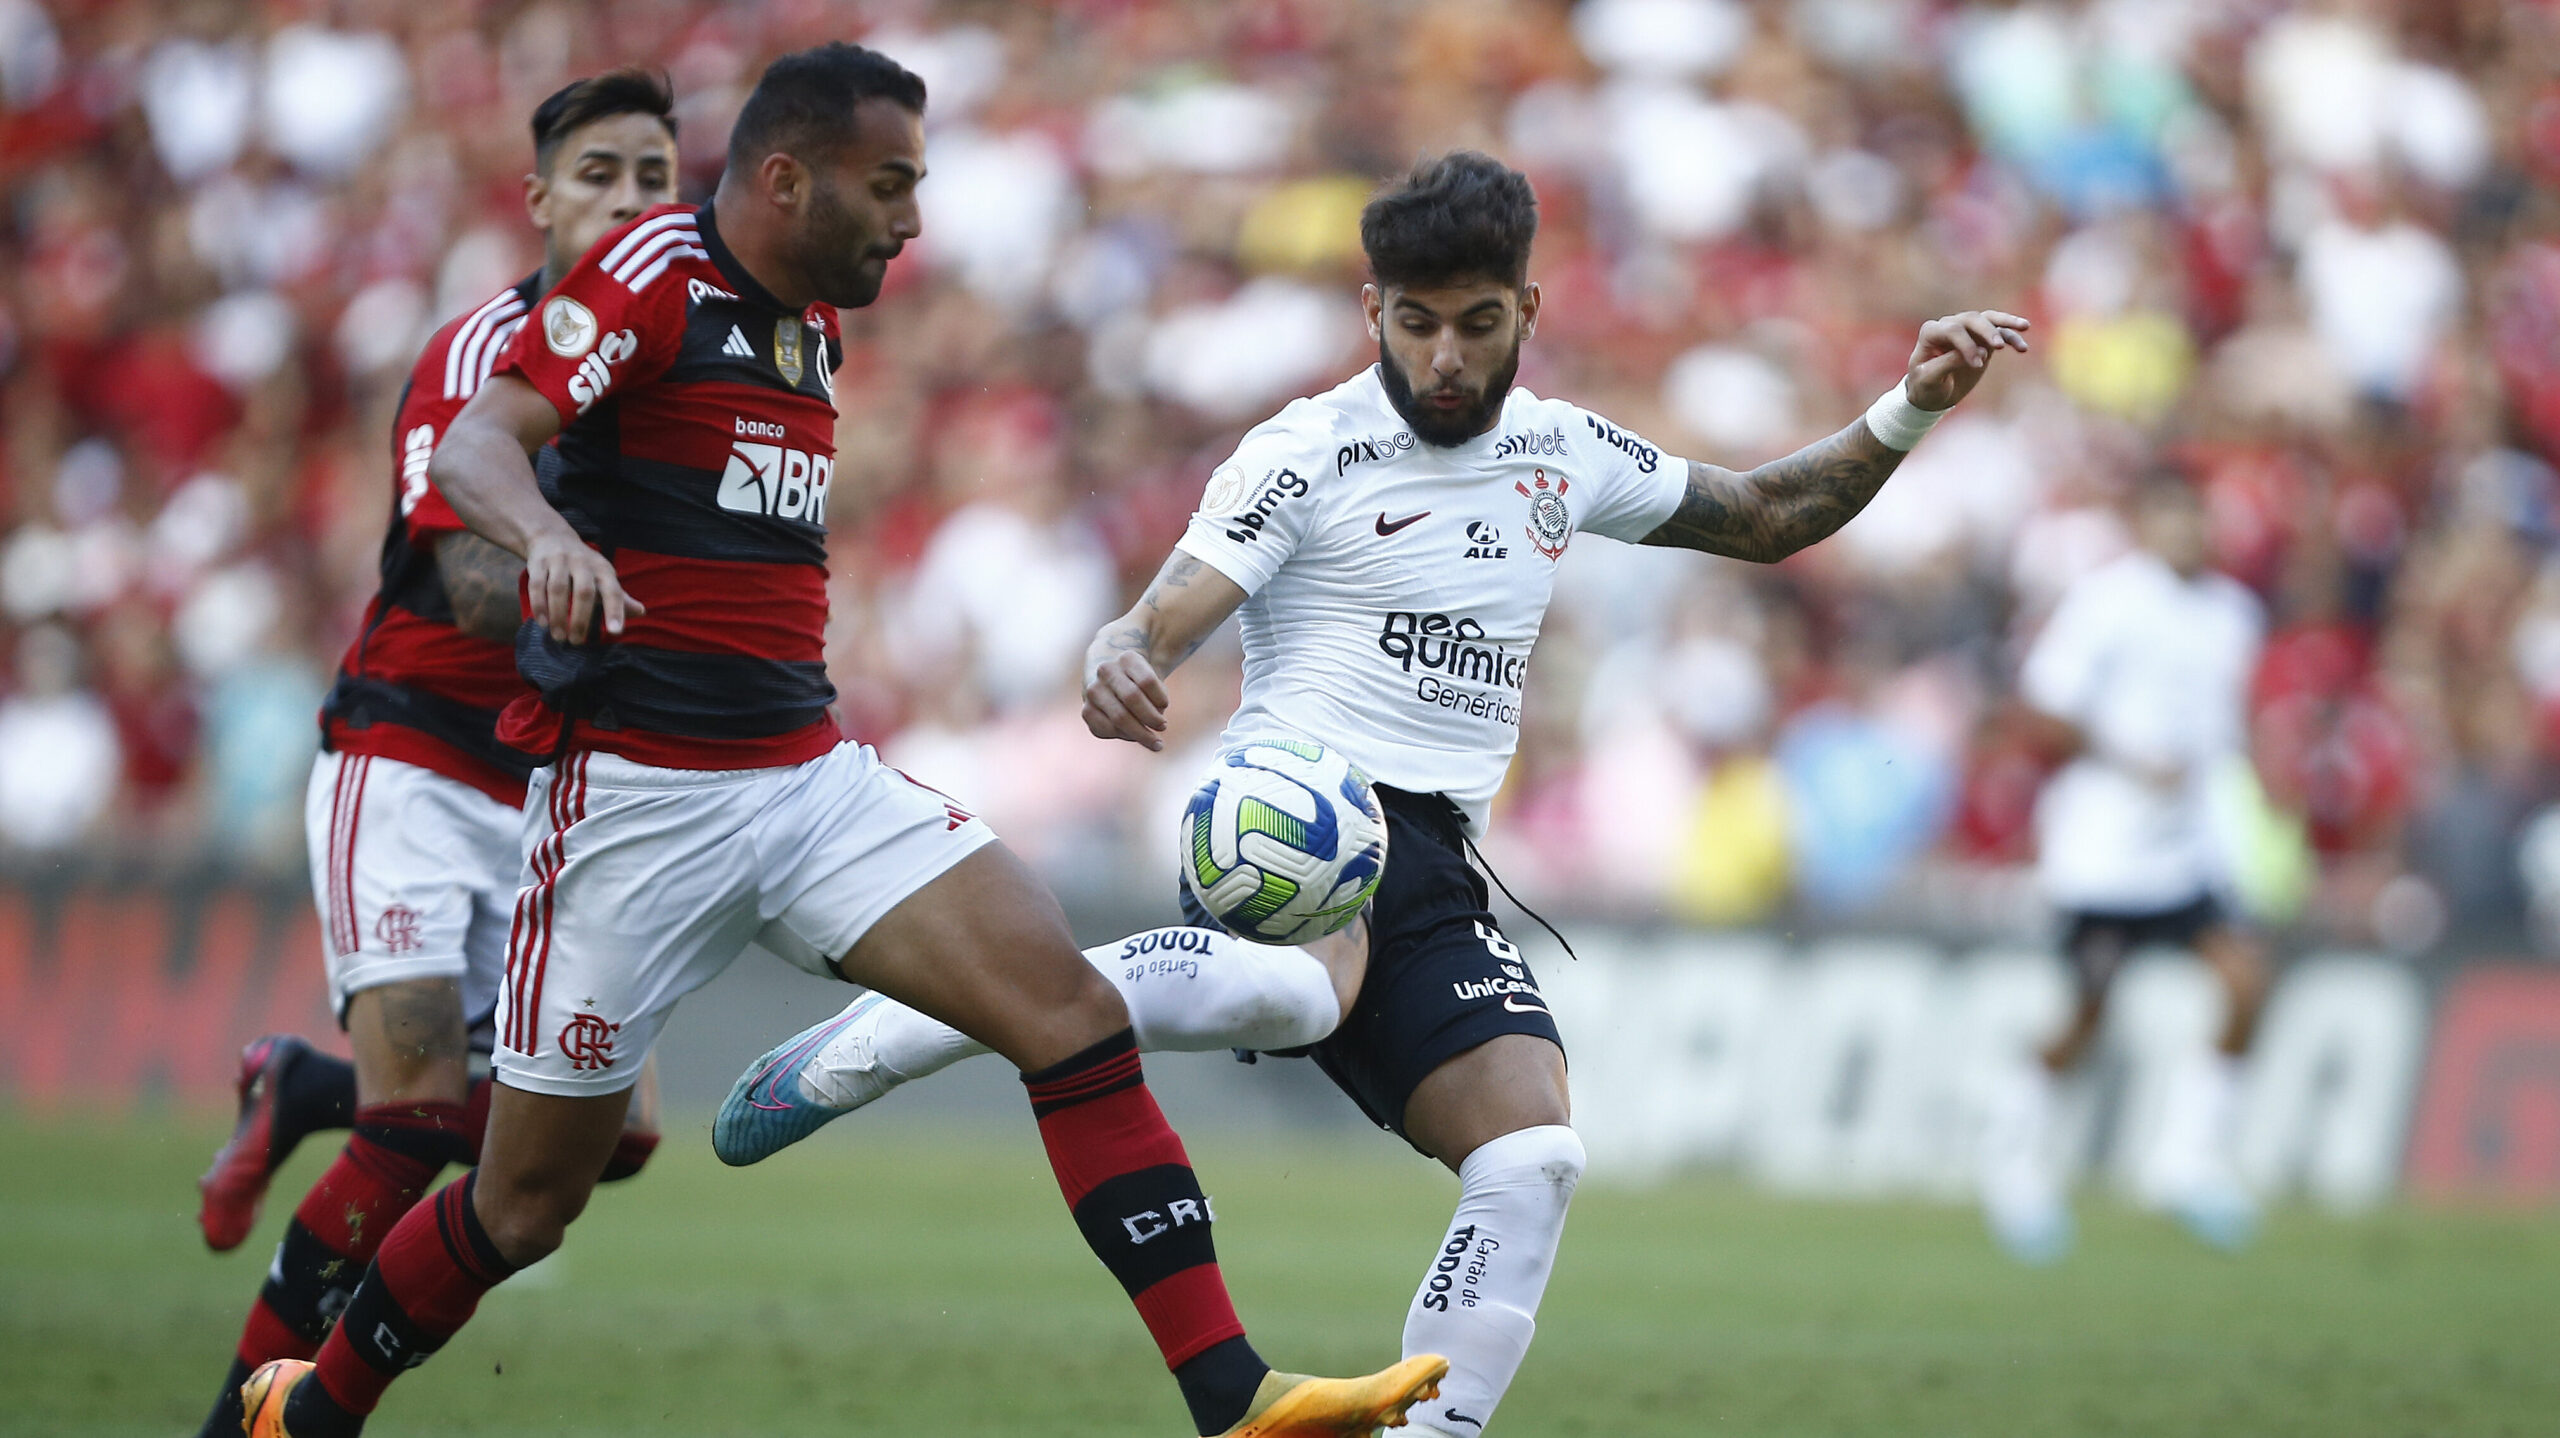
(586, 1041)
(1550, 522)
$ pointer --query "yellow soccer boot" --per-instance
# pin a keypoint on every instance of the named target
(262, 1397)
(1292, 1405)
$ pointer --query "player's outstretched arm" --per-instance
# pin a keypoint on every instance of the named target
(484, 471)
(1768, 513)
(1124, 695)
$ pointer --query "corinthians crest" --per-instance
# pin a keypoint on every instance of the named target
(786, 349)
(1550, 522)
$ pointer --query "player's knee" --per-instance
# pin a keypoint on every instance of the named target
(1547, 1156)
(1086, 1003)
(527, 1222)
(1286, 998)
(410, 1042)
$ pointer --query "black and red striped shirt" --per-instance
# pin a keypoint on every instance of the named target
(414, 687)
(699, 441)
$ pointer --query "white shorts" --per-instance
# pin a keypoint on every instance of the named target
(415, 876)
(640, 884)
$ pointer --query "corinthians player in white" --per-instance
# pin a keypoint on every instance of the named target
(1390, 546)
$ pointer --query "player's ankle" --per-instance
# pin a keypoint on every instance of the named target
(1219, 1384)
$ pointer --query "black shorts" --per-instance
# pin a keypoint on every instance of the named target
(1442, 978)
(2099, 941)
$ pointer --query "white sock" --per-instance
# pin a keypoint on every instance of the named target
(2017, 1173)
(895, 1038)
(2193, 1152)
(1202, 990)
(1188, 991)
(1478, 1304)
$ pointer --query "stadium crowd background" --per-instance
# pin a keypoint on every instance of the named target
(2309, 255)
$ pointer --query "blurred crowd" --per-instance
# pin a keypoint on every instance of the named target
(2306, 254)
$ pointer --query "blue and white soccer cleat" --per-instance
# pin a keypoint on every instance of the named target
(775, 1104)
(2221, 1214)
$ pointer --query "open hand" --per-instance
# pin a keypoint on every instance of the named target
(565, 581)
(1954, 351)
(1126, 700)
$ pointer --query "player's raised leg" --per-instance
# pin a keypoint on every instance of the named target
(288, 1090)
(1187, 990)
(986, 949)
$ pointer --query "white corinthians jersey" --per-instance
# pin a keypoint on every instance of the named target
(2154, 669)
(1396, 588)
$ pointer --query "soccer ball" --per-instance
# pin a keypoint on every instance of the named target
(1284, 842)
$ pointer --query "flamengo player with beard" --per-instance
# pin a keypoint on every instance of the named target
(698, 796)
(1391, 545)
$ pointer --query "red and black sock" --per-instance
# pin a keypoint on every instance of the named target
(314, 1091)
(1141, 1210)
(423, 1286)
(385, 1168)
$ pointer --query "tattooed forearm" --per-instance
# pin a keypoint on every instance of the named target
(480, 582)
(1184, 604)
(1782, 506)
(1180, 573)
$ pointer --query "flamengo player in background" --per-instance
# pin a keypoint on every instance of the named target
(2141, 677)
(414, 805)
(699, 796)
(1392, 545)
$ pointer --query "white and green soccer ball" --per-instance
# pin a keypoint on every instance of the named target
(1284, 841)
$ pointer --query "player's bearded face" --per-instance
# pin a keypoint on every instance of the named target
(845, 254)
(1447, 409)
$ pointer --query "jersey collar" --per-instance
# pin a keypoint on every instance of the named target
(529, 288)
(736, 274)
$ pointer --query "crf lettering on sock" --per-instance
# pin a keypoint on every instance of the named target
(1142, 1212)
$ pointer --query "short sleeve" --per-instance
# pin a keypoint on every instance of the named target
(422, 505)
(1635, 485)
(1256, 509)
(614, 322)
(436, 393)
(2068, 659)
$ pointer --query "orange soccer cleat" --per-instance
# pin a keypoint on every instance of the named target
(262, 1397)
(1292, 1405)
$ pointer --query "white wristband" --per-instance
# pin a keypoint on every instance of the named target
(1896, 422)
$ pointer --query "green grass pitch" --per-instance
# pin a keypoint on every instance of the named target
(882, 1282)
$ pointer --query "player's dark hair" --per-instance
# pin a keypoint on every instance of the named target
(804, 102)
(1460, 216)
(627, 91)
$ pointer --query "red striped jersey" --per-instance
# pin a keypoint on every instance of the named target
(412, 686)
(698, 442)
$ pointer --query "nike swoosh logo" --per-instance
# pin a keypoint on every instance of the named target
(1385, 529)
(1517, 1007)
(1454, 1416)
